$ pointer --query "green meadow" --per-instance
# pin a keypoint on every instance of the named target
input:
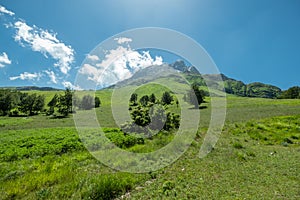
(256, 157)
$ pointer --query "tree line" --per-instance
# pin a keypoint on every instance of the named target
(16, 103)
(63, 105)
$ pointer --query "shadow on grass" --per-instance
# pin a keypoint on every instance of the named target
(200, 107)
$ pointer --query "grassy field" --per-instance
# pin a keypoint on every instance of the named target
(256, 157)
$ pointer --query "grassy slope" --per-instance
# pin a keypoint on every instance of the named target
(42, 158)
(243, 165)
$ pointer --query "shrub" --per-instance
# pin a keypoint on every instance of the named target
(14, 113)
(123, 140)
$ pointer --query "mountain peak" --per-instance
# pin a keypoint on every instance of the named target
(182, 67)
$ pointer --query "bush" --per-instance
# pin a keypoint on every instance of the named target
(14, 113)
(123, 140)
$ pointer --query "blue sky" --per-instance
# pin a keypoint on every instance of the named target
(43, 43)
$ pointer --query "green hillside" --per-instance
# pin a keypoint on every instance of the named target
(235, 87)
(256, 156)
(231, 86)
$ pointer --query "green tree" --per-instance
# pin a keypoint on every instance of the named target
(144, 100)
(31, 104)
(62, 106)
(52, 104)
(53, 101)
(166, 98)
(194, 96)
(291, 93)
(140, 115)
(39, 103)
(133, 99)
(87, 102)
(97, 102)
(68, 99)
(76, 101)
(8, 100)
(152, 98)
(64, 103)
(172, 121)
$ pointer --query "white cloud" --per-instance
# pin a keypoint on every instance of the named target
(113, 55)
(4, 60)
(119, 64)
(5, 11)
(27, 76)
(138, 60)
(88, 69)
(93, 57)
(70, 85)
(46, 43)
(52, 76)
(158, 60)
(123, 40)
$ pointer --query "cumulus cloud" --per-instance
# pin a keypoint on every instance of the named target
(68, 84)
(93, 57)
(4, 60)
(118, 64)
(46, 43)
(123, 40)
(88, 69)
(27, 76)
(5, 11)
(52, 76)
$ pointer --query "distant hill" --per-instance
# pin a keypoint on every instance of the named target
(29, 88)
(191, 74)
(231, 86)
